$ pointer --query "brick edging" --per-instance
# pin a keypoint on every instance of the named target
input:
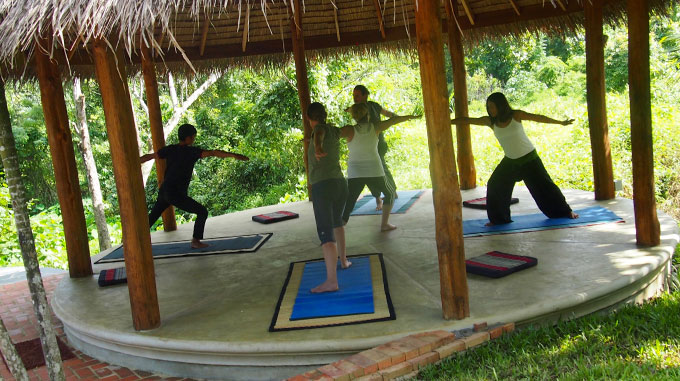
(405, 355)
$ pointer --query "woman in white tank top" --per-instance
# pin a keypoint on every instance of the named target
(521, 162)
(364, 166)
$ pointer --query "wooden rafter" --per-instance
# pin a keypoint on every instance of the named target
(561, 5)
(335, 18)
(204, 33)
(246, 29)
(468, 12)
(376, 3)
(515, 7)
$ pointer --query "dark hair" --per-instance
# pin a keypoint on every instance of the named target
(186, 130)
(502, 106)
(362, 88)
(317, 112)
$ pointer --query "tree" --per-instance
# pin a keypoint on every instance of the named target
(90, 167)
(10, 162)
(14, 363)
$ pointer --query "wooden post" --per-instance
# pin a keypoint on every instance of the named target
(466, 162)
(302, 80)
(64, 163)
(603, 176)
(646, 221)
(446, 193)
(156, 126)
(127, 170)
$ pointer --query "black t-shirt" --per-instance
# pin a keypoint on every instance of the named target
(180, 160)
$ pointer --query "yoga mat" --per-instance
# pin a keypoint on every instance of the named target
(496, 264)
(532, 222)
(366, 204)
(363, 296)
(223, 245)
(480, 203)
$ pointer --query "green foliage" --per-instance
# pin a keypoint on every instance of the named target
(634, 343)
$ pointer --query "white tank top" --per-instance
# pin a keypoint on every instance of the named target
(363, 160)
(513, 139)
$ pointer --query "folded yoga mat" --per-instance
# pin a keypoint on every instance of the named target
(496, 264)
(366, 204)
(363, 295)
(270, 218)
(223, 245)
(531, 222)
(480, 203)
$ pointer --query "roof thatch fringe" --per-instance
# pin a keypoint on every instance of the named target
(125, 23)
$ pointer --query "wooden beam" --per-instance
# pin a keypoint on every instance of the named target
(446, 194)
(302, 80)
(467, 174)
(468, 12)
(153, 104)
(376, 3)
(515, 7)
(204, 33)
(337, 25)
(64, 163)
(646, 221)
(561, 5)
(603, 176)
(246, 29)
(139, 265)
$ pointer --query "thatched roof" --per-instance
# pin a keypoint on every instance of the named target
(208, 34)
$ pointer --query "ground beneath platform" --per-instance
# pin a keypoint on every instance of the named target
(216, 310)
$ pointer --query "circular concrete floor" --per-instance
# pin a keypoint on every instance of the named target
(216, 310)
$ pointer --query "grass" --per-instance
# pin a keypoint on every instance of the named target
(637, 342)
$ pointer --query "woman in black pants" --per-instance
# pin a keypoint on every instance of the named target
(521, 162)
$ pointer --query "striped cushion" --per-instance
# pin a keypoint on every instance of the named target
(480, 203)
(112, 276)
(281, 215)
(496, 264)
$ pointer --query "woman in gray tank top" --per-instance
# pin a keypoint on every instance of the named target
(521, 162)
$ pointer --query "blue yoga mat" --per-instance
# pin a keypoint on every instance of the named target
(224, 245)
(366, 204)
(533, 222)
(354, 297)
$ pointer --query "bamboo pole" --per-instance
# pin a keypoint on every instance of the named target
(64, 163)
(468, 12)
(156, 125)
(204, 35)
(446, 193)
(467, 174)
(646, 221)
(603, 176)
(302, 80)
(139, 265)
(378, 11)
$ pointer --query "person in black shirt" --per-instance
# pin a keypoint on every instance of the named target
(180, 159)
(375, 110)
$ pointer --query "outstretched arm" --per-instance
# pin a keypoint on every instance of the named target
(481, 121)
(148, 156)
(387, 113)
(347, 132)
(223, 154)
(523, 115)
(385, 124)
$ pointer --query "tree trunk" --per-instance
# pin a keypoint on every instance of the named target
(90, 167)
(10, 161)
(9, 352)
(177, 113)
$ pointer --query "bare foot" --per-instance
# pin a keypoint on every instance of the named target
(325, 287)
(378, 203)
(346, 265)
(573, 215)
(197, 244)
(388, 227)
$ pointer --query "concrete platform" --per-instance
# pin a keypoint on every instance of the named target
(216, 310)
